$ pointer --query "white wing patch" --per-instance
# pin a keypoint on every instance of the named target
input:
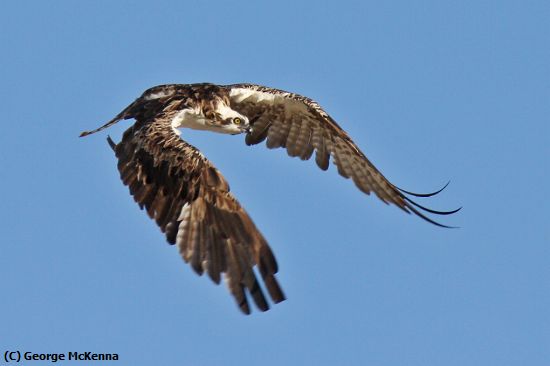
(291, 105)
(157, 95)
(254, 96)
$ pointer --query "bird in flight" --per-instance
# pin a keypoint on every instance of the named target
(190, 200)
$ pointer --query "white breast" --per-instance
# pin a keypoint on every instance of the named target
(188, 118)
(191, 118)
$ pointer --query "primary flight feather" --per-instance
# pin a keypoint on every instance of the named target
(190, 200)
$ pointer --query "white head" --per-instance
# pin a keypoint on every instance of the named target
(216, 118)
(223, 119)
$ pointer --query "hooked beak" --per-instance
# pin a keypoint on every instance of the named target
(245, 128)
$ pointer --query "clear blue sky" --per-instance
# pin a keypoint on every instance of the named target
(430, 90)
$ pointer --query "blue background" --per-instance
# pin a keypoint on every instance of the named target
(430, 90)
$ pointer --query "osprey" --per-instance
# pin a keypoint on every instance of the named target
(189, 198)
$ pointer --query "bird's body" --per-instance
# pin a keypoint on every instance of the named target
(189, 198)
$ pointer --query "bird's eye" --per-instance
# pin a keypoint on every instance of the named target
(237, 120)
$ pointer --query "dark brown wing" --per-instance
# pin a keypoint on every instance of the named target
(301, 126)
(190, 201)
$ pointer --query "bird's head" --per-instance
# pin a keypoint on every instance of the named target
(223, 119)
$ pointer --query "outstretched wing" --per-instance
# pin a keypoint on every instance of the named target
(190, 201)
(300, 125)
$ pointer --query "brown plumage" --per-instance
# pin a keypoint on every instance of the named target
(190, 200)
